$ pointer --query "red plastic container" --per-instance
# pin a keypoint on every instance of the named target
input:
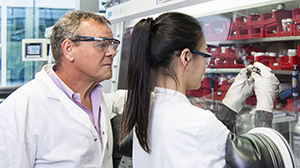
(288, 32)
(220, 63)
(243, 21)
(296, 28)
(206, 83)
(258, 20)
(275, 66)
(227, 52)
(277, 16)
(214, 51)
(219, 95)
(235, 24)
(296, 14)
(237, 64)
(271, 30)
(233, 34)
(212, 62)
(194, 93)
(251, 100)
(257, 32)
(287, 63)
(244, 33)
(266, 60)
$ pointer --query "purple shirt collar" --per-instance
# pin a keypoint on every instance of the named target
(75, 97)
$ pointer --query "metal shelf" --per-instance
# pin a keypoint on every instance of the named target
(222, 70)
(237, 70)
(284, 119)
(258, 40)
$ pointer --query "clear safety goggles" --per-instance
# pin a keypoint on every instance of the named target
(205, 55)
(101, 43)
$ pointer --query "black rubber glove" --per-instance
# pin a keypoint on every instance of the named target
(252, 150)
(263, 119)
(227, 117)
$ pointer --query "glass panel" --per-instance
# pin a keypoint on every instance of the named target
(113, 3)
(0, 43)
(0, 24)
(15, 33)
(48, 17)
(240, 38)
(237, 39)
(0, 65)
(20, 25)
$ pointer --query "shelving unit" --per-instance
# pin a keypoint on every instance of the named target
(126, 15)
(258, 40)
(237, 70)
(286, 123)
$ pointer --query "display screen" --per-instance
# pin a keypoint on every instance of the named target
(33, 49)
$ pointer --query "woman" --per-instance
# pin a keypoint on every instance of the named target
(168, 56)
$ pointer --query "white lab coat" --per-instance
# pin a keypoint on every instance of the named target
(41, 127)
(181, 135)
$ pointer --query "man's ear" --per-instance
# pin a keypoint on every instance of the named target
(67, 48)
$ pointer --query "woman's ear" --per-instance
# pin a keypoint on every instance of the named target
(67, 48)
(185, 56)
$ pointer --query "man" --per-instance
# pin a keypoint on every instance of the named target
(61, 118)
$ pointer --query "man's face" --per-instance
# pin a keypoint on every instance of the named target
(92, 60)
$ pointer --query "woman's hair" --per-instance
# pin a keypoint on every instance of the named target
(67, 27)
(154, 44)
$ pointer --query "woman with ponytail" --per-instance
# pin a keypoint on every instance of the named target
(168, 56)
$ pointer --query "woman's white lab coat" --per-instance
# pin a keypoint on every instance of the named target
(41, 127)
(181, 135)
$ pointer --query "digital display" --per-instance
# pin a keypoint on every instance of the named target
(33, 49)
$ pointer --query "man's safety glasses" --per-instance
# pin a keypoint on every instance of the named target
(205, 55)
(102, 43)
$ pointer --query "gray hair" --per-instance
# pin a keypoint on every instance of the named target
(67, 27)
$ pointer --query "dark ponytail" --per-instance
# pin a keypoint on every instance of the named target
(154, 45)
(136, 112)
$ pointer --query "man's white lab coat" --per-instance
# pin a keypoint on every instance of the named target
(41, 127)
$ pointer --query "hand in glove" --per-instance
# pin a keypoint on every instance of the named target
(263, 119)
(239, 91)
(266, 87)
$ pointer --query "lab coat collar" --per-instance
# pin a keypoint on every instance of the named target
(170, 94)
(53, 92)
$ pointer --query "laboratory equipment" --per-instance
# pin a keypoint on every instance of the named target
(296, 142)
(38, 49)
(35, 49)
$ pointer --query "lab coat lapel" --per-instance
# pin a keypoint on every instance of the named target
(55, 93)
(78, 114)
(105, 109)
